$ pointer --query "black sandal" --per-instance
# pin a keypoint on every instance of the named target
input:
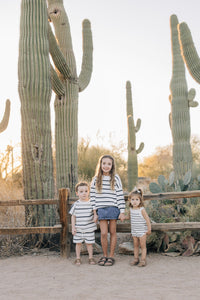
(102, 261)
(110, 262)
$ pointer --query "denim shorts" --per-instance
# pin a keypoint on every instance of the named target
(108, 213)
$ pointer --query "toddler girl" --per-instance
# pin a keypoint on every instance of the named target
(140, 226)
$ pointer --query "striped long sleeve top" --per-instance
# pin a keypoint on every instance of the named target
(107, 196)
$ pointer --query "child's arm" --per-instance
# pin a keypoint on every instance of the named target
(95, 219)
(120, 198)
(146, 217)
(73, 221)
(127, 217)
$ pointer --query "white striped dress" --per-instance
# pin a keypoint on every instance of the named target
(138, 222)
(84, 216)
(107, 197)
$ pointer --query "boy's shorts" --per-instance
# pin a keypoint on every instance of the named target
(87, 237)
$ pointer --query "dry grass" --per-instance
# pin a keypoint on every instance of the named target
(13, 216)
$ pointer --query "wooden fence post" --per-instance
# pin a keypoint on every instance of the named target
(63, 196)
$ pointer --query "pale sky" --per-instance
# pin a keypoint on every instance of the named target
(131, 42)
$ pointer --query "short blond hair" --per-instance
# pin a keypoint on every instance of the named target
(81, 183)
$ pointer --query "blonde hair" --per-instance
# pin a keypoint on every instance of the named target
(139, 193)
(81, 183)
(99, 173)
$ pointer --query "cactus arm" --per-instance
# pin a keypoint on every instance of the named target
(188, 51)
(58, 57)
(59, 18)
(4, 122)
(86, 68)
(141, 147)
(56, 83)
(138, 125)
(191, 96)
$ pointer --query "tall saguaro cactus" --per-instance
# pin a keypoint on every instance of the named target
(132, 130)
(4, 122)
(35, 94)
(67, 85)
(180, 100)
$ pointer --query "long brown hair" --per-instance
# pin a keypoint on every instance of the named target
(99, 173)
(137, 192)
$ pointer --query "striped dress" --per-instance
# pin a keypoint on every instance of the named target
(107, 197)
(138, 222)
(84, 216)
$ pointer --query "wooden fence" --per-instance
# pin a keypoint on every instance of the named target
(64, 228)
(59, 228)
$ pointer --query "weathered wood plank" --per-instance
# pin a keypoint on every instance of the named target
(172, 195)
(28, 202)
(70, 201)
(30, 230)
(179, 226)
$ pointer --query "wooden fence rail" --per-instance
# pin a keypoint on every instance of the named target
(64, 228)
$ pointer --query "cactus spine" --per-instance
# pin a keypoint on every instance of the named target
(180, 100)
(35, 94)
(66, 101)
(132, 130)
(4, 122)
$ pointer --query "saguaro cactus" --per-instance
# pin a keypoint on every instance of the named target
(132, 130)
(35, 94)
(4, 122)
(67, 86)
(180, 100)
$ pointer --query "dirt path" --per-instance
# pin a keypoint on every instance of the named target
(47, 276)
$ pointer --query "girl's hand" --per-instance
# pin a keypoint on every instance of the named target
(148, 232)
(122, 217)
(73, 231)
(95, 219)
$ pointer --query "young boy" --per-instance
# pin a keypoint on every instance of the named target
(83, 226)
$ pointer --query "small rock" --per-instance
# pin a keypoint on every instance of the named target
(126, 248)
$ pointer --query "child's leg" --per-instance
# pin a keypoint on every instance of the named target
(143, 247)
(136, 247)
(113, 237)
(104, 234)
(90, 250)
(78, 250)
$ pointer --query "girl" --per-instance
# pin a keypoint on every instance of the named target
(140, 226)
(108, 203)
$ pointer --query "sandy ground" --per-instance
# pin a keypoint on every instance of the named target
(48, 276)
